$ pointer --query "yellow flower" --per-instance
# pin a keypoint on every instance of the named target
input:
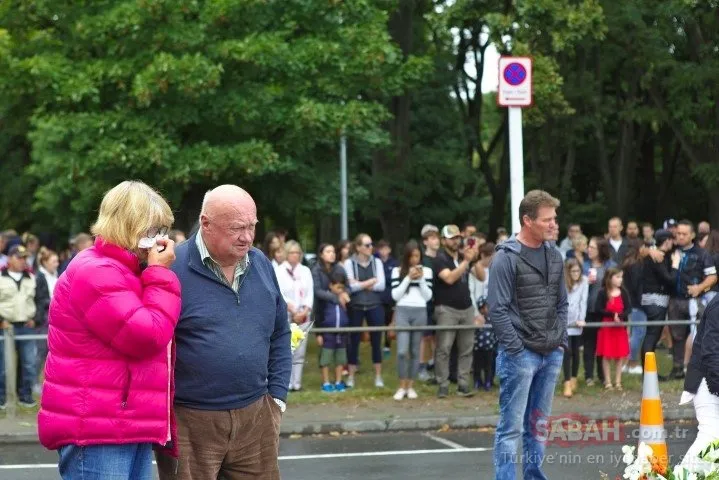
(297, 336)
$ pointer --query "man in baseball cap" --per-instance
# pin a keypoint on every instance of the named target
(453, 307)
(451, 231)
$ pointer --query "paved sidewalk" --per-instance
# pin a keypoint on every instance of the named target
(377, 415)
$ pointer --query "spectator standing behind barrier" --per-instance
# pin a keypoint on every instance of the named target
(233, 348)
(365, 274)
(453, 307)
(32, 243)
(111, 325)
(333, 351)
(431, 243)
(297, 288)
(658, 280)
(46, 279)
(322, 272)
(411, 289)
(632, 268)
(577, 293)
(384, 253)
(343, 251)
(528, 308)
(17, 311)
(617, 243)
(598, 253)
(614, 306)
(696, 275)
(81, 241)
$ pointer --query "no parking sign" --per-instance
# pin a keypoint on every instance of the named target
(515, 82)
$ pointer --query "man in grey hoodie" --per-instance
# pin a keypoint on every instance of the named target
(528, 310)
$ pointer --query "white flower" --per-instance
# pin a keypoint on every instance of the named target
(632, 472)
(644, 451)
(628, 454)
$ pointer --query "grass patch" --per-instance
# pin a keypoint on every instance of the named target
(365, 390)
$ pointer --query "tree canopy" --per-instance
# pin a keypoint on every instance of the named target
(188, 94)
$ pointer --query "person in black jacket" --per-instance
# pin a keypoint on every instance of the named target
(45, 279)
(632, 266)
(321, 277)
(701, 385)
(658, 279)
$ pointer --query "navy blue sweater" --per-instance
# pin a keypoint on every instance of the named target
(231, 348)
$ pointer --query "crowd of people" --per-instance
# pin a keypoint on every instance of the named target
(641, 274)
(637, 275)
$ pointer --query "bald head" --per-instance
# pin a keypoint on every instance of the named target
(227, 223)
(224, 196)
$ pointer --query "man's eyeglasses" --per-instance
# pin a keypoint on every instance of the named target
(155, 231)
(369, 245)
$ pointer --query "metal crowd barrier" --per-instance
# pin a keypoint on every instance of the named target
(9, 339)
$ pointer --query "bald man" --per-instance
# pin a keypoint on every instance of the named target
(233, 349)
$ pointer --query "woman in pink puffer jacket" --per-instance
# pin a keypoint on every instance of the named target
(108, 389)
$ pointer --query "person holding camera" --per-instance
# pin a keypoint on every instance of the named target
(453, 307)
(411, 289)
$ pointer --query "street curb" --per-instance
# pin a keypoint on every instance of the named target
(408, 424)
(453, 422)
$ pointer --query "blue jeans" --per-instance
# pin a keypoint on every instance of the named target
(526, 388)
(636, 337)
(27, 352)
(375, 318)
(132, 461)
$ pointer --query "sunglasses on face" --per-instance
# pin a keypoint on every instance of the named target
(369, 245)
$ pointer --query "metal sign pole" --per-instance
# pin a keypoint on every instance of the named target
(516, 164)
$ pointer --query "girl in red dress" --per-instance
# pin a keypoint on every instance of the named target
(613, 342)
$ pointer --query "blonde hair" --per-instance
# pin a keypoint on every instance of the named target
(128, 211)
(290, 244)
(578, 240)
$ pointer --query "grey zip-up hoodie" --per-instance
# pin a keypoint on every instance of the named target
(539, 330)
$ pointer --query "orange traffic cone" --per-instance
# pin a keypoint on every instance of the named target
(651, 423)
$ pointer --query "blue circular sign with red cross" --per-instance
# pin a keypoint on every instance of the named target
(515, 74)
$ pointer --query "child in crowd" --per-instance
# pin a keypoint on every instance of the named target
(577, 292)
(614, 306)
(484, 351)
(334, 345)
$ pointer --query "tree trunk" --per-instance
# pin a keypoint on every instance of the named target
(393, 212)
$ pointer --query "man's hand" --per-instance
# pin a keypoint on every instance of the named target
(30, 324)
(470, 254)
(581, 323)
(479, 320)
(694, 290)
(4, 324)
(320, 340)
(656, 255)
(299, 317)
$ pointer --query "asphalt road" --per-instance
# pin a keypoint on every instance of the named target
(427, 455)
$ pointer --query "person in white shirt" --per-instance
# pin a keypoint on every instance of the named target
(297, 287)
(411, 289)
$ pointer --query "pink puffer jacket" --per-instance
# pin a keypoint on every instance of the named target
(108, 376)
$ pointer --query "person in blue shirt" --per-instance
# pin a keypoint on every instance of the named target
(233, 348)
